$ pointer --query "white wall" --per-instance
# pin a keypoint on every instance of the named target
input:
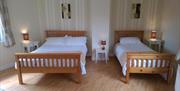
(170, 25)
(90, 15)
(23, 14)
(50, 16)
(99, 22)
(78, 15)
(94, 16)
(123, 19)
(121, 16)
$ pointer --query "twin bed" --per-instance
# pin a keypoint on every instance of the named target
(65, 52)
(135, 57)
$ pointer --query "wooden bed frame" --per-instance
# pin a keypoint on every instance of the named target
(50, 58)
(167, 58)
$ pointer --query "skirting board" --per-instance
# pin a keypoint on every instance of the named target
(6, 66)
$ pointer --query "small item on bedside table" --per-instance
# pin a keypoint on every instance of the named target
(103, 43)
(155, 41)
(153, 34)
(25, 35)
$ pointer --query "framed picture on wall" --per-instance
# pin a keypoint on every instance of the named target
(66, 11)
(136, 10)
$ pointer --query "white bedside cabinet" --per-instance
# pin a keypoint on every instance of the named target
(100, 51)
(30, 46)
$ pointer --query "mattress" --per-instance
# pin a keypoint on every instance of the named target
(62, 49)
(121, 54)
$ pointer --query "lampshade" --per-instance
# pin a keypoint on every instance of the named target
(178, 55)
(153, 34)
(25, 36)
(103, 42)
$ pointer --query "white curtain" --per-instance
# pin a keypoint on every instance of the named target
(1, 31)
(6, 36)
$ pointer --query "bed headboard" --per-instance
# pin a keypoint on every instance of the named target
(125, 33)
(62, 33)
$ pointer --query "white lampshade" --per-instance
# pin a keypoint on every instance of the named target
(178, 55)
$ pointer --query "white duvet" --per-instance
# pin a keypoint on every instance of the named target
(122, 49)
(48, 48)
(63, 49)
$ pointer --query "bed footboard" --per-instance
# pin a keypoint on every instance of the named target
(48, 63)
(150, 63)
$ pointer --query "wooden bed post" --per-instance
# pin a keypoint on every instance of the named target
(126, 78)
(127, 72)
(170, 71)
(169, 75)
(79, 70)
(121, 76)
(79, 74)
(19, 70)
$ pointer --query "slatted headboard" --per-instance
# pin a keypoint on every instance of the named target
(61, 33)
(127, 33)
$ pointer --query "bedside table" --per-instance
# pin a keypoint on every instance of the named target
(158, 42)
(30, 46)
(100, 51)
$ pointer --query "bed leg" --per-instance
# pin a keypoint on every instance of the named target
(19, 73)
(79, 75)
(20, 76)
(169, 75)
(127, 77)
(127, 71)
(121, 78)
(170, 72)
(124, 79)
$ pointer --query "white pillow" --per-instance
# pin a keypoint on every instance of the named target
(129, 40)
(76, 41)
(55, 41)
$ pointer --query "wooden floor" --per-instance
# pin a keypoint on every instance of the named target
(100, 77)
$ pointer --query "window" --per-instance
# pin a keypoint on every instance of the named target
(2, 34)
